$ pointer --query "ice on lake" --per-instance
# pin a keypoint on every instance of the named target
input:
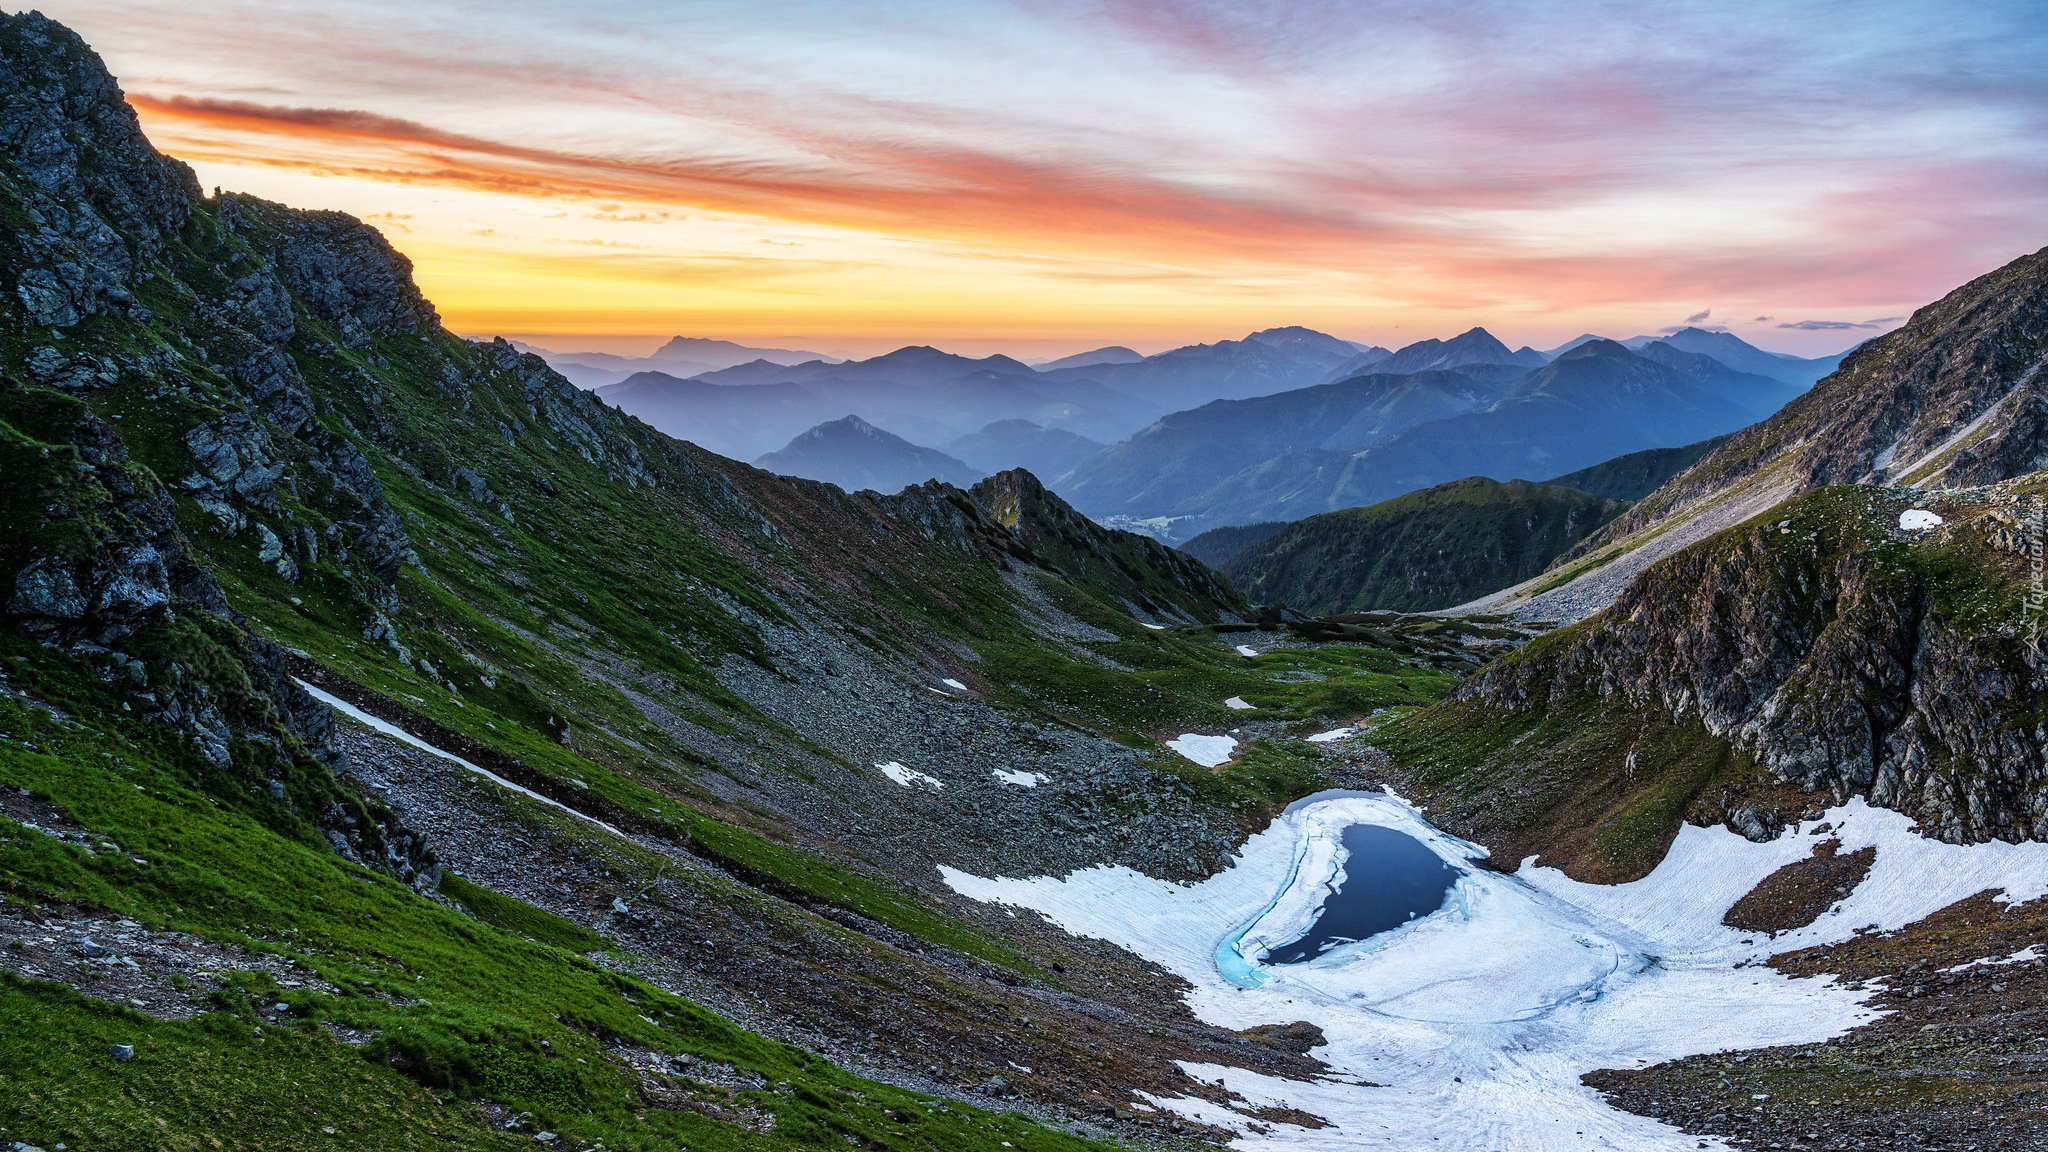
(1469, 1025)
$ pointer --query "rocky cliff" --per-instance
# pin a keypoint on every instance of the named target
(1819, 650)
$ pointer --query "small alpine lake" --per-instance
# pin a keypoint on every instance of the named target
(1387, 879)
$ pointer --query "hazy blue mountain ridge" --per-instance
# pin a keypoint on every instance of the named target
(1007, 444)
(856, 455)
(1315, 450)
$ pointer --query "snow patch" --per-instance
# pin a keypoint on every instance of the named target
(1918, 519)
(1479, 1018)
(909, 776)
(2030, 952)
(1237, 704)
(1333, 734)
(1022, 779)
(1156, 627)
(952, 683)
(1208, 751)
(396, 733)
(1246, 650)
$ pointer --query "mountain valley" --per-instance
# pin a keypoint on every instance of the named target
(406, 744)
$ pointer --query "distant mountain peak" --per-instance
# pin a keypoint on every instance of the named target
(1294, 337)
(706, 348)
(1113, 354)
(1597, 346)
(1478, 335)
(1473, 346)
(852, 423)
(854, 454)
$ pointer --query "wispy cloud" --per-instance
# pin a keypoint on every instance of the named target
(1839, 325)
(1567, 164)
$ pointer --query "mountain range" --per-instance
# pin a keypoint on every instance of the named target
(1370, 438)
(680, 356)
(933, 398)
(921, 394)
(1726, 347)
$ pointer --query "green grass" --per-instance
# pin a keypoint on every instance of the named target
(455, 1005)
(204, 1084)
(1422, 551)
(519, 918)
(1600, 788)
(1148, 682)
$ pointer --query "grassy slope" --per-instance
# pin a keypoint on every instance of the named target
(459, 1006)
(1426, 550)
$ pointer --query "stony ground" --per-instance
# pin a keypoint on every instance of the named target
(1960, 1060)
(1796, 895)
(872, 999)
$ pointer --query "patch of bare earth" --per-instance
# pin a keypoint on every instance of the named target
(1796, 895)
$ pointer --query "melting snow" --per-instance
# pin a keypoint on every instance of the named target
(1916, 519)
(2030, 952)
(909, 776)
(1237, 703)
(950, 682)
(400, 734)
(1208, 751)
(1332, 734)
(1156, 627)
(1479, 1018)
(1246, 650)
(1022, 779)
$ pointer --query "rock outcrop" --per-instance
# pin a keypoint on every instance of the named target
(1158, 580)
(106, 576)
(1845, 654)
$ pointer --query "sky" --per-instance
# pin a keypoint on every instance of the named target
(1045, 177)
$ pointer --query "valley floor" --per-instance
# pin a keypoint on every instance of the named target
(1474, 1027)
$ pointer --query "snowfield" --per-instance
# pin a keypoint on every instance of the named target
(1469, 1028)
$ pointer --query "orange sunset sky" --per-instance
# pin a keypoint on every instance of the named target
(1043, 178)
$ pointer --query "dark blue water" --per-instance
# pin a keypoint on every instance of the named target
(1389, 879)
